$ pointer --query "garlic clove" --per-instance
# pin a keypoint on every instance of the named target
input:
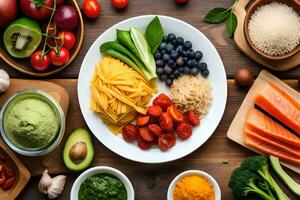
(45, 182)
(4, 80)
(57, 186)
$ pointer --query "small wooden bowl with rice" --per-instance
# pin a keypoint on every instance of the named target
(258, 4)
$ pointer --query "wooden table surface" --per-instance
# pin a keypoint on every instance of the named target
(218, 156)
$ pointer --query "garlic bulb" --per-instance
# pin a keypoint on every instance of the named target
(4, 81)
(52, 186)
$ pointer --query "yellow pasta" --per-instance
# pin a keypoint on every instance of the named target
(118, 93)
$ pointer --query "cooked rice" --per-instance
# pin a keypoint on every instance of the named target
(192, 93)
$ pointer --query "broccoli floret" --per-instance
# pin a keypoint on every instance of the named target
(243, 182)
(259, 165)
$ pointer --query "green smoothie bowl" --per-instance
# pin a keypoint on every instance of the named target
(32, 123)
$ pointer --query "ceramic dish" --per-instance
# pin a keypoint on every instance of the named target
(23, 65)
(201, 133)
(196, 172)
(99, 170)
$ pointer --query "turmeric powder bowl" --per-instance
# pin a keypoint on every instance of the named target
(194, 185)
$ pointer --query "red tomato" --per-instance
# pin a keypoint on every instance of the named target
(59, 58)
(145, 134)
(59, 2)
(38, 10)
(166, 141)
(8, 11)
(163, 101)
(184, 130)
(67, 38)
(129, 132)
(181, 1)
(155, 129)
(91, 8)
(119, 3)
(175, 114)
(166, 122)
(7, 184)
(38, 62)
(143, 144)
(154, 111)
(192, 118)
(142, 120)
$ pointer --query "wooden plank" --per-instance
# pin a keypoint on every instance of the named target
(219, 156)
(193, 13)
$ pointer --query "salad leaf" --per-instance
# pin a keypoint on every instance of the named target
(231, 24)
(217, 15)
(125, 39)
(143, 48)
(154, 34)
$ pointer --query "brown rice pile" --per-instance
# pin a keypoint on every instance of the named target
(192, 93)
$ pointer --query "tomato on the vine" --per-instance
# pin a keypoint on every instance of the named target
(119, 3)
(51, 30)
(91, 8)
(59, 57)
(38, 10)
(67, 39)
(38, 62)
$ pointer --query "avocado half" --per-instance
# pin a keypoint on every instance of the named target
(78, 151)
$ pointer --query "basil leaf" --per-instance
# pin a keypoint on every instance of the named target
(154, 34)
(217, 15)
(231, 24)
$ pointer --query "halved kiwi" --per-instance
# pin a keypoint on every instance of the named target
(22, 37)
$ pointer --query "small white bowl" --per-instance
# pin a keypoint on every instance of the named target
(196, 172)
(99, 170)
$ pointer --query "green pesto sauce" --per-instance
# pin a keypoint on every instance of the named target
(102, 186)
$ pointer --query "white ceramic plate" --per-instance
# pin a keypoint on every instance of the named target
(209, 123)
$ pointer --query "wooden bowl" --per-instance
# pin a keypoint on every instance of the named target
(292, 3)
(23, 65)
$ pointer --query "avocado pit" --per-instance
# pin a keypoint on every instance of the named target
(78, 152)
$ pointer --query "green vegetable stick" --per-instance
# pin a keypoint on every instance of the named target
(125, 39)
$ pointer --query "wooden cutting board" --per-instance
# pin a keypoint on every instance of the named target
(52, 161)
(236, 129)
(239, 38)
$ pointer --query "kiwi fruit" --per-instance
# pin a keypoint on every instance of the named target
(22, 37)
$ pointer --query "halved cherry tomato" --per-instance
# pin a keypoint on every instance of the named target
(155, 129)
(166, 140)
(175, 114)
(129, 132)
(184, 130)
(163, 101)
(165, 122)
(8, 183)
(91, 8)
(145, 134)
(142, 120)
(144, 145)
(59, 58)
(192, 118)
(38, 62)
(119, 3)
(67, 38)
(154, 110)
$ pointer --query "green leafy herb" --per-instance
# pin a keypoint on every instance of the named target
(154, 34)
(231, 24)
(217, 15)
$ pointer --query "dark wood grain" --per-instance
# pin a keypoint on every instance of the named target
(192, 13)
(219, 156)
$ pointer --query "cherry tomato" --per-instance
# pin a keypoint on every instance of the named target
(38, 10)
(143, 144)
(38, 62)
(163, 101)
(166, 141)
(154, 111)
(67, 38)
(59, 2)
(8, 11)
(192, 118)
(175, 114)
(184, 130)
(8, 183)
(155, 129)
(165, 122)
(51, 30)
(145, 134)
(129, 132)
(142, 120)
(59, 58)
(119, 3)
(91, 8)
(181, 1)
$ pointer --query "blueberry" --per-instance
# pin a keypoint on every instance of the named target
(174, 42)
(159, 70)
(179, 49)
(162, 46)
(160, 63)
(165, 38)
(169, 82)
(168, 70)
(163, 77)
(177, 72)
(162, 52)
(171, 62)
(186, 70)
(172, 76)
(180, 61)
(166, 57)
(187, 45)
(173, 55)
(195, 63)
(198, 55)
(205, 73)
(184, 53)
(190, 53)
(171, 36)
(202, 66)
(194, 71)
(157, 56)
(179, 40)
(181, 69)
(169, 47)
(189, 63)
